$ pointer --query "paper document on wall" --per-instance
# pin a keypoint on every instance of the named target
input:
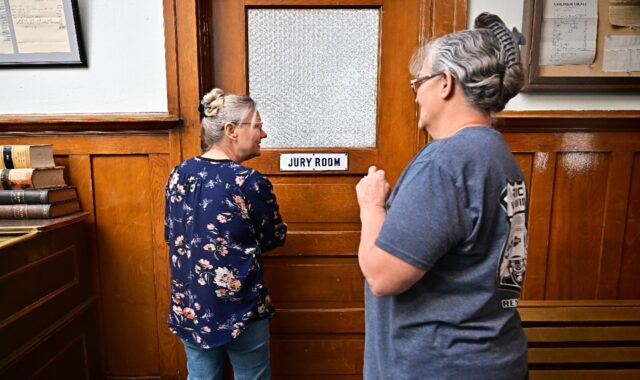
(39, 26)
(569, 32)
(6, 46)
(624, 13)
(621, 53)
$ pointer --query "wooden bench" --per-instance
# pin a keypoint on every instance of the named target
(582, 339)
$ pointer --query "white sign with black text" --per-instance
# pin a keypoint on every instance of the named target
(309, 162)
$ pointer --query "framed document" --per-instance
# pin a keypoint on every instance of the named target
(582, 45)
(41, 33)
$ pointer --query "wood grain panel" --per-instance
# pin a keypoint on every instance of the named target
(449, 18)
(187, 28)
(620, 374)
(322, 203)
(96, 143)
(48, 277)
(579, 312)
(441, 17)
(569, 120)
(571, 141)
(328, 355)
(78, 168)
(314, 279)
(68, 353)
(628, 287)
(69, 123)
(583, 334)
(169, 346)
(66, 361)
(123, 221)
(608, 195)
(541, 197)
(32, 260)
(319, 321)
(175, 148)
(230, 56)
(576, 225)
(306, 243)
(616, 203)
(397, 124)
(81, 176)
(589, 355)
(525, 162)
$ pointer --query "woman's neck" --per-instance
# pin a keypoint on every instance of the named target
(456, 116)
(218, 152)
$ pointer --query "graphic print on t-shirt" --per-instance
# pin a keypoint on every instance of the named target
(513, 261)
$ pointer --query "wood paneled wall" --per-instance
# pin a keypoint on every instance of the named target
(583, 173)
(584, 240)
(583, 245)
(584, 186)
(121, 178)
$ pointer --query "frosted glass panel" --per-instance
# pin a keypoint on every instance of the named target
(314, 75)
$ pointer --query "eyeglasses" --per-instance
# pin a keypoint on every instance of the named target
(259, 125)
(416, 83)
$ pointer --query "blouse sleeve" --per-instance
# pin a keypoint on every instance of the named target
(265, 214)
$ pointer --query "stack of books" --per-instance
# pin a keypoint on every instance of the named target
(32, 186)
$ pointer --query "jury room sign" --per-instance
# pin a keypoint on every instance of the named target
(309, 162)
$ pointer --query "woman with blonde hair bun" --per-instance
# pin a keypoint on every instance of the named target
(220, 217)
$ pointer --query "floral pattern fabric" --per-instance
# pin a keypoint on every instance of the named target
(219, 218)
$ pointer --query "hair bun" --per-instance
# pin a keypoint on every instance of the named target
(510, 40)
(212, 102)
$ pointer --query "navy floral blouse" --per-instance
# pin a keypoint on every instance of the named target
(219, 218)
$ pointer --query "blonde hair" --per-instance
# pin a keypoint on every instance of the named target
(219, 109)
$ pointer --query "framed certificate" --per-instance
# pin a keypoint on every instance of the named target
(40, 32)
(581, 45)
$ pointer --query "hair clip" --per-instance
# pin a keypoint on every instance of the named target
(517, 37)
(510, 40)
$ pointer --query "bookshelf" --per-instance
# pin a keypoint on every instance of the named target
(48, 321)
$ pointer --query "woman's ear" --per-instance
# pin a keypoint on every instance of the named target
(447, 85)
(230, 131)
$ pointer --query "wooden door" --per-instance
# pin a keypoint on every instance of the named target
(315, 282)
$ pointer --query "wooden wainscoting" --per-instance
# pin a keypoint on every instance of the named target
(583, 177)
(584, 184)
(120, 178)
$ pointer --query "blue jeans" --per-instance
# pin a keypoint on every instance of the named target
(249, 356)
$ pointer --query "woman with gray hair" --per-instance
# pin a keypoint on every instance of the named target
(444, 255)
(220, 217)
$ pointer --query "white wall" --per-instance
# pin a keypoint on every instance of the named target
(124, 42)
(511, 12)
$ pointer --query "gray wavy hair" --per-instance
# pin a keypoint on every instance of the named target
(218, 109)
(485, 62)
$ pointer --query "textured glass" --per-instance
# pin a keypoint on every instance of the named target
(314, 75)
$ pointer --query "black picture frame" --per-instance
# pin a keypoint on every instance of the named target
(63, 13)
(571, 77)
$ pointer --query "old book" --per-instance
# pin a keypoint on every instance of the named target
(44, 211)
(32, 178)
(27, 156)
(37, 196)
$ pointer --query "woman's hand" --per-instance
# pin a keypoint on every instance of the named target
(373, 189)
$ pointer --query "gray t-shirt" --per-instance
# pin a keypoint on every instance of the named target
(459, 212)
